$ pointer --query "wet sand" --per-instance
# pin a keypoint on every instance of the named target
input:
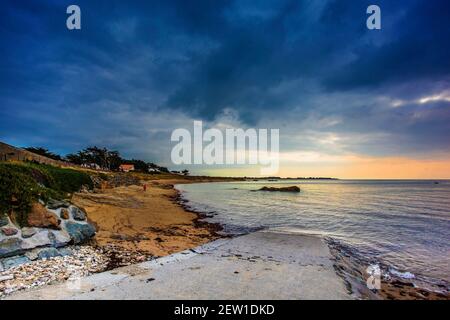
(352, 269)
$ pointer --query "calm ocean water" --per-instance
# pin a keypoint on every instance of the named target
(403, 224)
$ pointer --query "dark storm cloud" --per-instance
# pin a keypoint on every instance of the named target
(137, 69)
(416, 48)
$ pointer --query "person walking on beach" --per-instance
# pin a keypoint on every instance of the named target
(144, 187)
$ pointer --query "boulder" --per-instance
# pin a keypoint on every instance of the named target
(14, 261)
(59, 238)
(65, 252)
(281, 189)
(78, 214)
(39, 239)
(55, 204)
(32, 254)
(7, 231)
(40, 217)
(10, 247)
(64, 214)
(48, 253)
(79, 232)
(3, 221)
(28, 232)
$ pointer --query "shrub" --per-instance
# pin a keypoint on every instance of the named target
(67, 180)
(17, 192)
(21, 184)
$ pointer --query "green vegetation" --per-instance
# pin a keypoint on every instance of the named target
(102, 157)
(21, 184)
(99, 158)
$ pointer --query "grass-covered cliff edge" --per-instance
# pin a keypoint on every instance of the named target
(23, 183)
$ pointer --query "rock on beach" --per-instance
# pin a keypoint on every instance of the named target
(79, 232)
(40, 217)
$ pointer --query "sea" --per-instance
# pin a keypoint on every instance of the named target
(402, 225)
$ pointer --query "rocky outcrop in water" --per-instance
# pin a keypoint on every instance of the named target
(281, 189)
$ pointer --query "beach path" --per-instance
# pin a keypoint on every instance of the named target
(261, 265)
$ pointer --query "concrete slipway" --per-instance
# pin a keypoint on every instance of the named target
(261, 265)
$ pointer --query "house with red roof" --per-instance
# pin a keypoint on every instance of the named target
(126, 167)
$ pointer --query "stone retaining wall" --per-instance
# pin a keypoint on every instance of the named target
(10, 153)
(20, 245)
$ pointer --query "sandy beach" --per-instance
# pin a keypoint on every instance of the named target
(150, 222)
(132, 226)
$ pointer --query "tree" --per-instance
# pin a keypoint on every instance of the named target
(102, 157)
(114, 160)
(151, 165)
(163, 169)
(109, 159)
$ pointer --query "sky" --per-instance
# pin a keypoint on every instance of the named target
(349, 102)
